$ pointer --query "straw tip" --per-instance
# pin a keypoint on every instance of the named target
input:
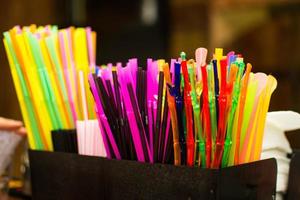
(218, 52)
(183, 55)
(200, 55)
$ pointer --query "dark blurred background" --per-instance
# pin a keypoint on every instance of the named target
(266, 32)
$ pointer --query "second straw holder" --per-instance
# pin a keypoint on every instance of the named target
(57, 175)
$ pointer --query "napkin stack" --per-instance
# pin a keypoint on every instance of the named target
(276, 145)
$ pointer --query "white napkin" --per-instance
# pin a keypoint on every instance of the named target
(8, 143)
(276, 145)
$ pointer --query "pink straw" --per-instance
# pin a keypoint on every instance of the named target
(66, 74)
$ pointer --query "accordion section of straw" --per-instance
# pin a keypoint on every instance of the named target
(186, 113)
(50, 67)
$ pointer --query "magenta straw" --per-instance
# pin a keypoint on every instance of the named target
(152, 89)
(125, 78)
(172, 67)
(150, 126)
(105, 73)
(103, 123)
(133, 65)
(149, 81)
(154, 111)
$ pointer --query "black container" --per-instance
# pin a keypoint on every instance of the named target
(58, 175)
(293, 191)
(64, 140)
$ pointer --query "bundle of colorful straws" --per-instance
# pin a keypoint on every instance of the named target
(186, 113)
(209, 115)
(49, 69)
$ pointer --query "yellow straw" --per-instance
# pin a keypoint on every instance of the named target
(271, 86)
(20, 97)
(38, 101)
(57, 99)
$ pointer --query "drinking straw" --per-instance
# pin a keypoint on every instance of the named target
(150, 126)
(139, 87)
(233, 135)
(173, 115)
(190, 143)
(80, 136)
(56, 98)
(89, 131)
(163, 133)
(121, 118)
(246, 136)
(171, 69)
(213, 102)
(144, 100)
(218, 55)
(175, 92)
(54, 57)
(91, 47)
(200, 55)
(152, 86)
(230, 59)
(237, 89)
(22, 94)
(158, 116)
(16, 68)
(72, 70)
(66, 71)
(138, 118)
(270, 87)
(124, 75)
(111, 94)
(160, 64)
(82, 64)
(45, 82)
(103, 123)
(216, 84)
(199, 138)
(206, 117)
(99, 149)
(154, 114)
(82, 92)
(242, 100)
(133, 66)
(110, 114)
(232, 104)
(168, 138)
(29, 75)
(222, 115)
(37, 72)
(178, 101)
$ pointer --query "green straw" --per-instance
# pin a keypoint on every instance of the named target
(50, 45)
(45, 82)
(25, 92)
(235, 101)
(212, 107)
(199, 140)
